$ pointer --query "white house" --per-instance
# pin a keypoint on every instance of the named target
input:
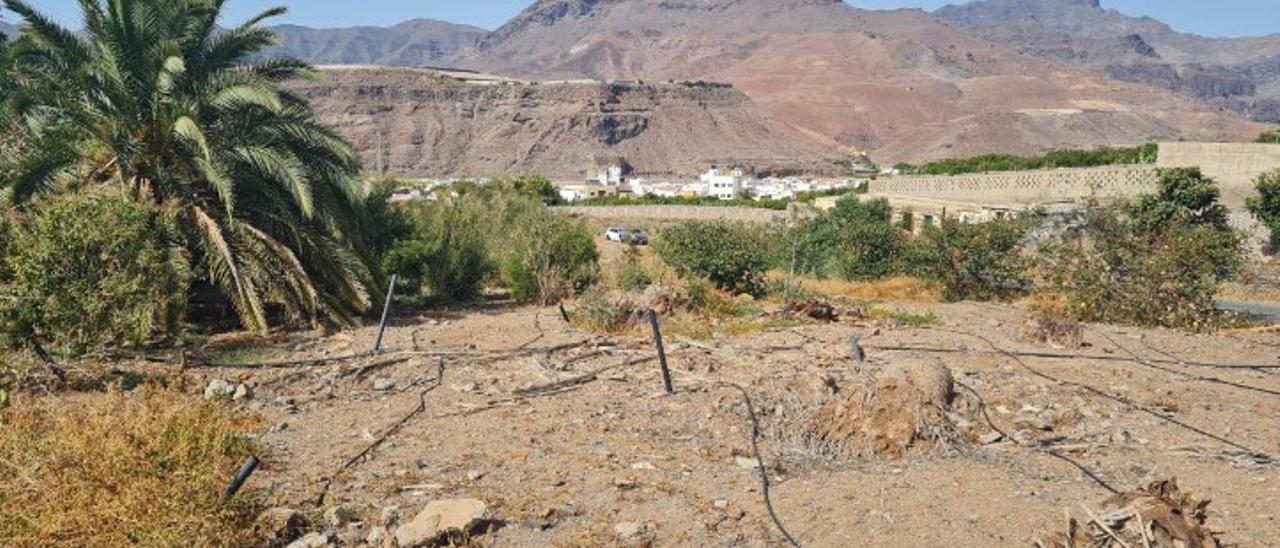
(722, 185)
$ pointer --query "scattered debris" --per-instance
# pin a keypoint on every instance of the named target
(383, 384)
(338, 516)
(1159, 515)
(311, 540)
(814, 310)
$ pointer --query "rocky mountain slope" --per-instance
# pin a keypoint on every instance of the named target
(423, 123)
(1241, 74)
(419, 42)
(900, 84)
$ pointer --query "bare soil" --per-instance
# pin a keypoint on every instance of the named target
(563, 464)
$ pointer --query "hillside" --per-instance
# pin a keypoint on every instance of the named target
(418, 42)
(423, 123)
(1240, 74)
(900, 84)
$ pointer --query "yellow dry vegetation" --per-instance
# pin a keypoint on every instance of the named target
(144, 468)
(901, 288)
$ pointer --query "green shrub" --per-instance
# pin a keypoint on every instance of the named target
(732, 256)
(979, 261)
(446, 256)
(633, 275)
(1185, 197)
(545, 257)
(855, 240)
(89, 272)
(1270, 137)
(1120, 270)
(1265, 207)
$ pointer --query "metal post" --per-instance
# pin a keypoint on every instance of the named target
(241, 477)
(382, 325)
(662, 352)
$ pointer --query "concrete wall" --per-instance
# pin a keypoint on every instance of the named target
(1235, 166)
(1025, 187)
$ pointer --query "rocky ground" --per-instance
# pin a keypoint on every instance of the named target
(539, 434)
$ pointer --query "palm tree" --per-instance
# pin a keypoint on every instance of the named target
(154, 98)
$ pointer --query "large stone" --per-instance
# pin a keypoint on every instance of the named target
(338, 516)
(440, 519)
(219, 388)
(312, 540)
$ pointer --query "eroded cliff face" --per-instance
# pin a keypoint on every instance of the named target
(420, 123)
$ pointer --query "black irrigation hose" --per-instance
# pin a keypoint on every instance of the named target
(982, 406)
(1214, 380)
(422, 406)
(755, 449)
(1067, 356)
(1118, 399)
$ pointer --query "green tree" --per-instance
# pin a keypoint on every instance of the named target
(1185, 197)
(1270, 137)
(155, 98)
(1265, 207)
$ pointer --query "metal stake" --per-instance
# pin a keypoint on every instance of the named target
(382, 325)
(241, 477)
(662, 352)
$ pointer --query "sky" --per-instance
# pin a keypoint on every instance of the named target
(1207, 17)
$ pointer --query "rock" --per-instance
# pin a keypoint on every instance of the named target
(219, 388)
(377, 537)
(744, 462)
(643, 466)
(990, 438)
(311, 540)
(383, 384)
(466, 387)
(279, 525)
(390, 515)
(242, 393)
(338, 516)
(721, 504)
(629, 529)
(440, 519)
(474, 475)
(352, 535)
(625, 483)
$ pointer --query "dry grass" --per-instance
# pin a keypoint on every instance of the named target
(145, 468)
(893, 289)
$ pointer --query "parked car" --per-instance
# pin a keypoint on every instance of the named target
(617, 234)
(638, 237)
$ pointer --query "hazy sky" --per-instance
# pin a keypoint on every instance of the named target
(1209, 17)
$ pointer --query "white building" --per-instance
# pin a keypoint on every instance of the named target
(722, 185)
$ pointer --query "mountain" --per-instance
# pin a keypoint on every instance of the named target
(1240, 74)
(900, 84)
(420, 42)
(430, 123)
(8, 30)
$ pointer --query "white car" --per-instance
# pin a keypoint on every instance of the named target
(617, 235)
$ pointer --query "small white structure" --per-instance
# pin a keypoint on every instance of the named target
(722, 185)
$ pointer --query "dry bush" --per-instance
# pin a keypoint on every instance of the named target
(1159, 515)
(901, 288)
(901, 413)
(145, 468)
(1049, 322)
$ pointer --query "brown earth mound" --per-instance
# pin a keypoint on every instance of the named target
(901, 412)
